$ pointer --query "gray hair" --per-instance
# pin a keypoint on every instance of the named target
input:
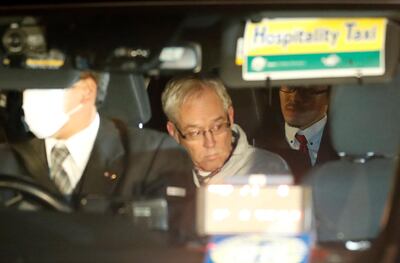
(102, 80)
(178, 90)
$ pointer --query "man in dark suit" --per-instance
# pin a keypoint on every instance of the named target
(303, 138)
(76, 153)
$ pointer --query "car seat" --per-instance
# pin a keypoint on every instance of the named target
(127, 99)
(350, 194)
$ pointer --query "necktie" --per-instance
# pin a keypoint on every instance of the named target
(303, 146)
(303, 143)
(58, 154)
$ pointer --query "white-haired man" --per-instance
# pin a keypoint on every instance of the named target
(201, 118)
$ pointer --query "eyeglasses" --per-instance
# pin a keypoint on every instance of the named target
(198, 134)
(303, 90)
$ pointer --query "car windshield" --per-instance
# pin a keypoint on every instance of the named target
(316, 83)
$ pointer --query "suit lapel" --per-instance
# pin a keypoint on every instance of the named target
(297, 161)
(326, 152)
(33, 156)
(106, 162)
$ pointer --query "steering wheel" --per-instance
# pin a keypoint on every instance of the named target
(16, 190)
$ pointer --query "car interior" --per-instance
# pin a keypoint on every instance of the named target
(355, 199)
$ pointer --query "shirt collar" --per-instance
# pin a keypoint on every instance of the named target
(311, 133)
(79, 145)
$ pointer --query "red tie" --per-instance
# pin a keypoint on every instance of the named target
(303, 143)
(303, 151)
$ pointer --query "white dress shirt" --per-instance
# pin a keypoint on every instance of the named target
(313, 135)
(80, 146)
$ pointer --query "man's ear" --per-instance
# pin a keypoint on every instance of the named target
(231, 115)
(172, 131)
(89, 89)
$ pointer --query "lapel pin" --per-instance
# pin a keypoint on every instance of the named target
(111, 176)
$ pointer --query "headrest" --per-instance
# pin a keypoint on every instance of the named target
(127, 99)
(366, 118)
(344, 193)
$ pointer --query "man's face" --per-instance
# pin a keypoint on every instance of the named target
(302, 107)
(202, 112)
(60, 113)
(73, 96)
(79, 103)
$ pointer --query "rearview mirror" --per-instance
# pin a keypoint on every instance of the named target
(177, 58)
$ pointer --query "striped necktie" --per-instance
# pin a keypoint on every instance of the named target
(60, 178)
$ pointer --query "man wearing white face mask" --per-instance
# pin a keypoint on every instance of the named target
(41, 121)
(78, 153)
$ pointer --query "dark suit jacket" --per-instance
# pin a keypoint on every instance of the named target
(275, 141)
(133, 163)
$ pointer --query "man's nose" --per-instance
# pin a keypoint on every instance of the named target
(297, 96)
(209, 140)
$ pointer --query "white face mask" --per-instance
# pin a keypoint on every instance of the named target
(44, 111)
